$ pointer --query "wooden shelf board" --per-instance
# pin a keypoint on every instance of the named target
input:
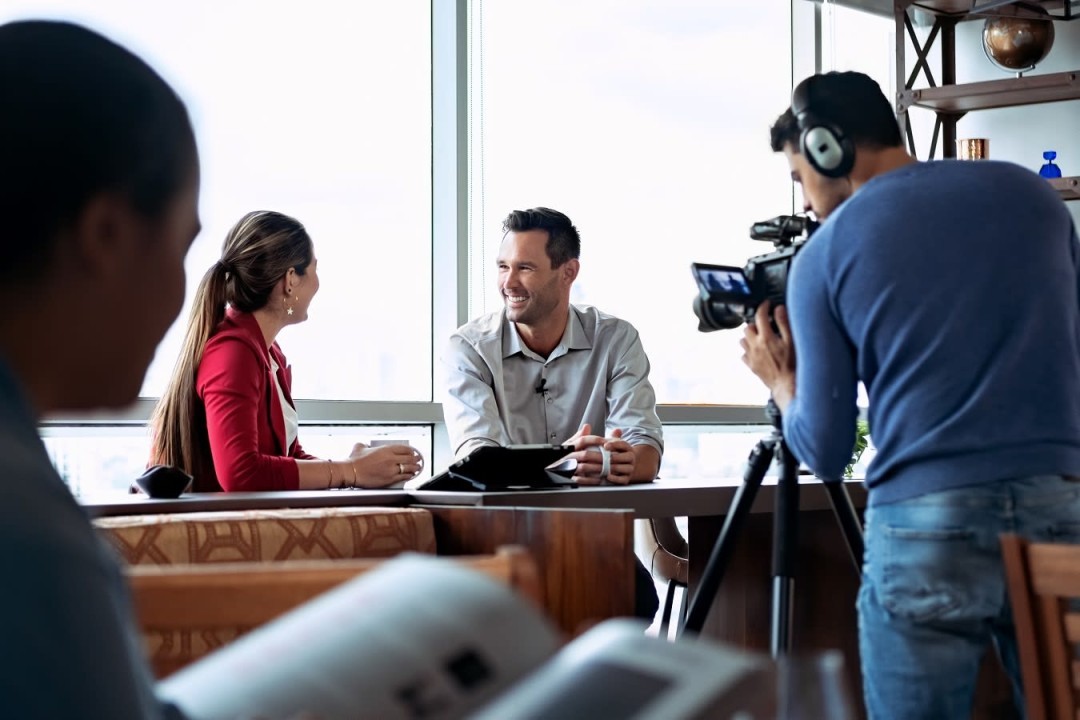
(1029, 90)
(957, 8)
(1067, 187)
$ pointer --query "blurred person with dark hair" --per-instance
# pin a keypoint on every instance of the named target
(99, 180)
(950, 290)
(544, 371)
(227, 416)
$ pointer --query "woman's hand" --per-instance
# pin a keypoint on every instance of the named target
(385, 465)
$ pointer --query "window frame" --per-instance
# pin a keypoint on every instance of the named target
(451, 147)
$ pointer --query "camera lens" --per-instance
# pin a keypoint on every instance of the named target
(716, 316)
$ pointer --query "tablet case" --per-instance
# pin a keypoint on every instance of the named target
(515, 467)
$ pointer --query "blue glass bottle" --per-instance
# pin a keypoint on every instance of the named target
(1050, 170)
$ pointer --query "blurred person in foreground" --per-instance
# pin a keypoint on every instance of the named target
(950, 290)
(227, 416)
(99, 181)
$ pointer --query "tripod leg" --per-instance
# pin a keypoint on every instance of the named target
(849, 521)
(785, 537)
(701, 601)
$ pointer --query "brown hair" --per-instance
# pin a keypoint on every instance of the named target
(563, 242)
(258, 251)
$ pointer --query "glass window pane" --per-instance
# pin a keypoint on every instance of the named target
(713, 452)
(336, 441)
(321, 110)
(857, 40)
(99, 461)
(647, 122)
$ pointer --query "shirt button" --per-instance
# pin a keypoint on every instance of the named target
(552, 436)
(551, 400)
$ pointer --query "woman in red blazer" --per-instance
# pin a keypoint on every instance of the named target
(228, 416)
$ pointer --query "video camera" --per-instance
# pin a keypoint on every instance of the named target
(729, 295)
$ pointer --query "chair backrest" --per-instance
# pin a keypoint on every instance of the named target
(1044, 580)
(660, 540)
(186, 611)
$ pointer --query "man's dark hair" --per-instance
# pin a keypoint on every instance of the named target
(850, 100)
(563, 243)
(80, 116)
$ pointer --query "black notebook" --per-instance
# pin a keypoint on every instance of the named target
(516, 467)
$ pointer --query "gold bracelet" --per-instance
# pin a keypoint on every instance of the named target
(330, 465)
(355, 478)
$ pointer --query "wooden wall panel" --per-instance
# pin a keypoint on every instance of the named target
(585, 557)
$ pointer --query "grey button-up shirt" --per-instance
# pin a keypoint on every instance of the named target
(498, 392)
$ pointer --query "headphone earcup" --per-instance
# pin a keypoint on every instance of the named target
(826, 147)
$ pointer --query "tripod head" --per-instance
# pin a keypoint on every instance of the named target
(773, 413)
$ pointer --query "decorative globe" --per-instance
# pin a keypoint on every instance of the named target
(1017, 43)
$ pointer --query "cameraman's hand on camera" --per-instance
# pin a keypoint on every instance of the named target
(769, 355)
(590, 451)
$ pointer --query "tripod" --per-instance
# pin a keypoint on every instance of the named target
(785, 522)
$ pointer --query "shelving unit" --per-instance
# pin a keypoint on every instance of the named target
(949, 100)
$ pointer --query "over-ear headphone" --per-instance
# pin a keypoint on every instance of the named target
(826, 147)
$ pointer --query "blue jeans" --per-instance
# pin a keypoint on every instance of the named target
(933, 592)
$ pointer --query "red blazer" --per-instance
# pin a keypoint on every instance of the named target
(244, 421)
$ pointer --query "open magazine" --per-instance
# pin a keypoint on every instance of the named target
(424, 638)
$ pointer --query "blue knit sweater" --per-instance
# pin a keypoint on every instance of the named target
(950, 289)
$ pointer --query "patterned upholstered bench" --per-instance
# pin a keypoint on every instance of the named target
(286, 538)
(584, 558)
(269, 535)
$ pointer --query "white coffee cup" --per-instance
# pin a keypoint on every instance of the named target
(380, 442)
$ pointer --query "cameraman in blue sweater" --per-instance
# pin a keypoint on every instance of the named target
(950, 290)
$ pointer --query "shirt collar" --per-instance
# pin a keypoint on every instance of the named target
(574, 338)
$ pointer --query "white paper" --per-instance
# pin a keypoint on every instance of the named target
(615, 670)
(417, 637)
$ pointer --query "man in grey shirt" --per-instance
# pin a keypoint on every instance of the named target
(544, 371)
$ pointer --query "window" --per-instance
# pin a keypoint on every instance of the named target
(321, 110)
(647, 123)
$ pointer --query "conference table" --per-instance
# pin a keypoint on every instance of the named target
(826, 580)
(740, 611)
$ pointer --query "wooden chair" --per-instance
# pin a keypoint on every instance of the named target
(1043, 578)
(221, 601)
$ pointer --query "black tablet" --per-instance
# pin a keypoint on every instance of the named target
(515, 467)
